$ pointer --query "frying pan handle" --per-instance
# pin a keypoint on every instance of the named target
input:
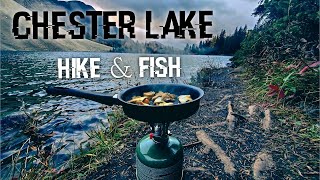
(97, 97)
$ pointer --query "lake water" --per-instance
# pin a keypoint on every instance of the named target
(25, 75)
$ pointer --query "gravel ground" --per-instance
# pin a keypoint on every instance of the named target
(246, 145)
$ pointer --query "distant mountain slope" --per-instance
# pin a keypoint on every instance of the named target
(118, 45)
(8, 42)
(69, 6)
(55, 5)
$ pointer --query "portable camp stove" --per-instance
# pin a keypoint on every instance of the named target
(158, 155)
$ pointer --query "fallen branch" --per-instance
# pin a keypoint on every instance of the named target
(311, 173)
(214, 102)
(206, 140)
(230, 118)
(239, 116)
(252, 110)
(191, 144)
(209, 125)
(267, 120)
(205, 150)
(194, 169)
(262, 163)
(223, 99)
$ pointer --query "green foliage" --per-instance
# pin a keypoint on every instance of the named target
(285, 40)
(104, 141)
(281, 54)
(203, 77)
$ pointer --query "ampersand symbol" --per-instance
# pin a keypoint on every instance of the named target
(124, 73)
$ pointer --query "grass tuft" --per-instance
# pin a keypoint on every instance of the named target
(104, 141)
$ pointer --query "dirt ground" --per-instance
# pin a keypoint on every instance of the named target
(227, 139)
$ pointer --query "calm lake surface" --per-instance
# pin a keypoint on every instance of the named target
(25, 75)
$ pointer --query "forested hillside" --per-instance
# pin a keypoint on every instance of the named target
(221, 44)
(283, 50)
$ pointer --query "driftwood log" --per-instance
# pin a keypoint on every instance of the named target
(208, 142)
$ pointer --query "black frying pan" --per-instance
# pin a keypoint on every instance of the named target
(151, 114)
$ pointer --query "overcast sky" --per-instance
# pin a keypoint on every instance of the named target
(227, 14)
